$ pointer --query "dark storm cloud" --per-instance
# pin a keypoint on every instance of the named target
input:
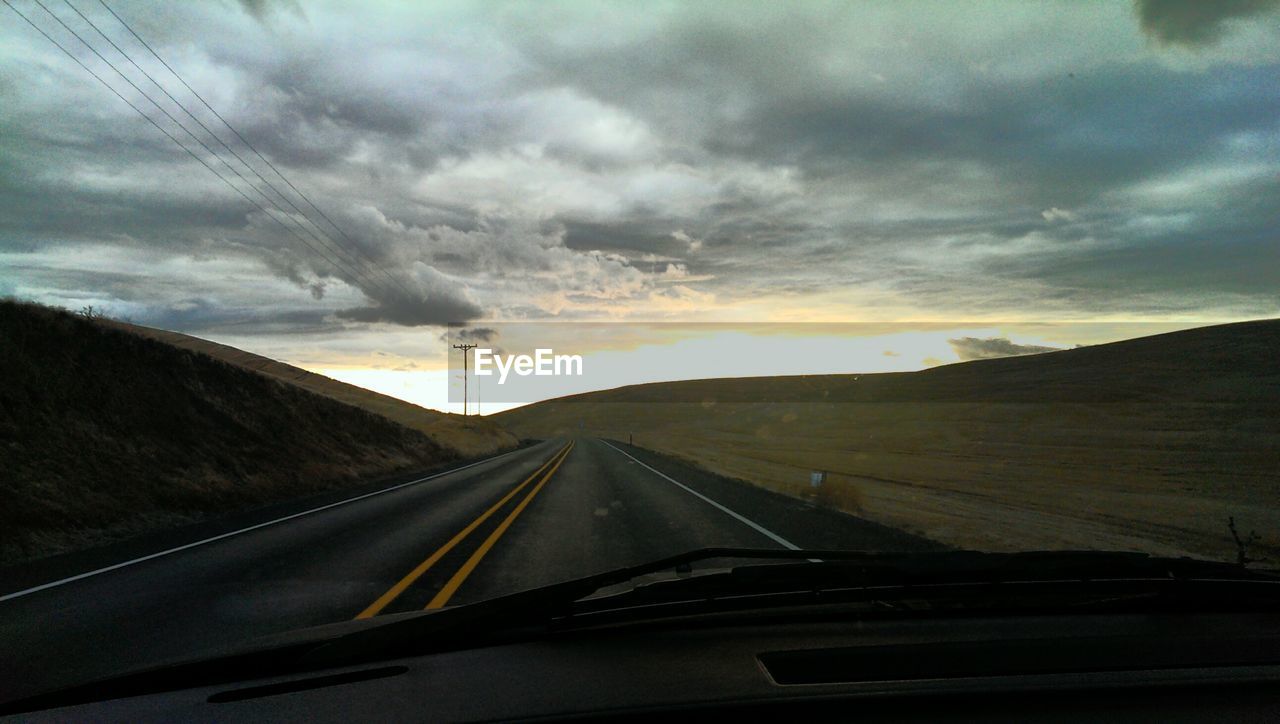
(435, 309)
(1195, 22)
(540, 161)
(262, 10)
(204, 315)
(1057, 141)
(144, 191)
(473, 334)
(977, 160)
(1051, 138)
(1186, 252)
(971, 348)
(632, 234)
(32, 212)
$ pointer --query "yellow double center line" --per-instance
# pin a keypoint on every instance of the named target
(546, 470)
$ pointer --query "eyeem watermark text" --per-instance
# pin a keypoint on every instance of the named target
(543, 363)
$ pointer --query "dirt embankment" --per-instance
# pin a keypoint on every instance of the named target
(468, 435)
(107, 433)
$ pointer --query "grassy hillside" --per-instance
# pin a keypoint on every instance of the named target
(1148, 444)
(105, 433)
(468, 435)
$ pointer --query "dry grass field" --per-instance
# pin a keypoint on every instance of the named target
(108, 432)
(469, 436)
(1148, 444)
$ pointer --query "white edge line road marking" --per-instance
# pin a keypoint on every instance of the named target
(741, 519)
(123, 564)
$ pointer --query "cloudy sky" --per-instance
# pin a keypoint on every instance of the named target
(728, 161)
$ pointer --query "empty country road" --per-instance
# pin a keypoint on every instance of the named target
(556, 510)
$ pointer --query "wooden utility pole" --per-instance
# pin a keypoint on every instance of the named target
(464, 348)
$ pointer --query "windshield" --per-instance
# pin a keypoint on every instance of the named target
(316, 312)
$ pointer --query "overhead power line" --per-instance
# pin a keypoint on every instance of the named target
(336, 264)
(355, 273)
(325, 241)
(255, 152)
(152, 121)
(351, 265)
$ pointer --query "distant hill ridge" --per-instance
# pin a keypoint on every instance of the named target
(1237, 362)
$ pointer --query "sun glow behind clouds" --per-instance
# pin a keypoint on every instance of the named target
(621, 354)
(723, 353)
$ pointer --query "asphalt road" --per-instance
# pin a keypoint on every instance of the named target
(557, 510)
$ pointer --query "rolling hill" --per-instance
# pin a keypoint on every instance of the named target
(1146, 444)
(468, 435)
(108, 431)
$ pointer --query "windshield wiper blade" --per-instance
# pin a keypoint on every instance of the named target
(842, 568)
(444, 627)
(467, 624)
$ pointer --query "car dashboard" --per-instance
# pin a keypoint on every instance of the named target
(1170, 667)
